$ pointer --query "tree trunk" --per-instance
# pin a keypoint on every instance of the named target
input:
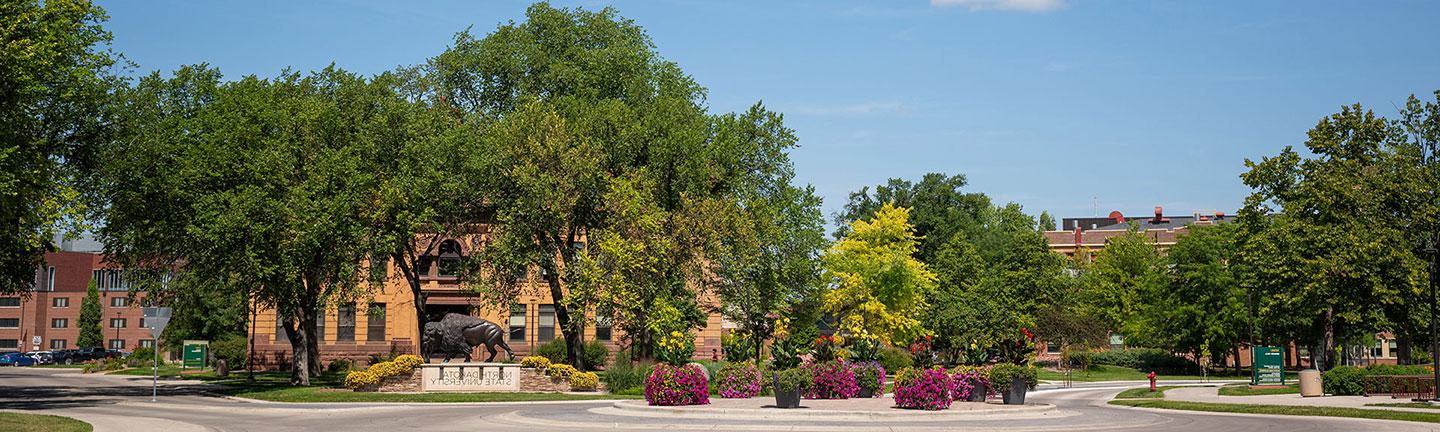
(308, 316)
(571, 331)
(299, 353)
(1329, 341)
(1236, 353)
(1402, 346)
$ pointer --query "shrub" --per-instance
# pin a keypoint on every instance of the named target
(671, 385)
(1002, 373)
(737, 346)
(339, 366)
(676, 348)
(234, 349)
(1344, 381)
(870, 375)
(537, 362)
(585, 381)
(864, 349)
(623, 376)
(595, 354)
(894, 358)
(1144, 359)
(554, 350)
(562, 371)
(738, 380)
(927, 389)
(356, 380)
(141, 357)
(409, 362)
(831, 380)
(791, 379)
(102, 365)
(784, 354)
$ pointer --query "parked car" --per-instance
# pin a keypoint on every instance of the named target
(62, 356)
(41, 357)
(90, 353)
(16, 359)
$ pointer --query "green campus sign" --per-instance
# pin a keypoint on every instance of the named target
(195, 353)
(1269, 365)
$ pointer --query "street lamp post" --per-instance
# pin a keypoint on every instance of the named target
(1428, 159)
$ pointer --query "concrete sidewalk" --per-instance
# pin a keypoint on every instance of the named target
(1211, 395)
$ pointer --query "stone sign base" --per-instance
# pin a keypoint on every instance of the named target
(469, 377)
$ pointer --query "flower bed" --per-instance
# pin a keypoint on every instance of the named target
(671, 385)
(738, 380)
(376, 374)
(870, 376)
(969, 383)
(927, 389)
(831, 380)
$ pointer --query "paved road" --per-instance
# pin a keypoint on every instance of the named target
(121, 404)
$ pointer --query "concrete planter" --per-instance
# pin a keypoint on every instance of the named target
(786, 399)
(1015, 395)
(978, 392)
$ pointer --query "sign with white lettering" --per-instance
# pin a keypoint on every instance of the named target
(470, 377)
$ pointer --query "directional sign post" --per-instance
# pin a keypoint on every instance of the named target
(156, 318)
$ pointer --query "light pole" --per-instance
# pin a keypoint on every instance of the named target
(1428, 159)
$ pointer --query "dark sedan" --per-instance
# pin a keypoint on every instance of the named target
(16, 359)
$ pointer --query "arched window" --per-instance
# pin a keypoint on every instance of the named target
(449, 258)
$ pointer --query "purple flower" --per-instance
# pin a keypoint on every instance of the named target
(671, 385)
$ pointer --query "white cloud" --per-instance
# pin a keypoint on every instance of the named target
(861, 109)
(1012, 5)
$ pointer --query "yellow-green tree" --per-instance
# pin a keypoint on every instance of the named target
(878, 286)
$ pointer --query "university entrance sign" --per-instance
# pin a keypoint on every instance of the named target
(470, 377)
(1269, 363)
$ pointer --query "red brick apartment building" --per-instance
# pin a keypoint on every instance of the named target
(48, 318)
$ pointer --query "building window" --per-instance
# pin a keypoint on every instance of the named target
(320, 327)
(58, 344)
(449, 258)
(602, 328)
(117, 344)
(345, 323)
(1052, 347)
(147, 343)
(375, 323)
(50, 279)
(517, 323)
(9, 322)
(60, 302)
(1378, 350)
(117, 322)
(9, 301)
(1394, 349)
(280, 335)
(546, 326)
(9, 343)
(425, 264)
(119, 302)
(59, 323)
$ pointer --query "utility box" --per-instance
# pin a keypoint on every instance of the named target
(1311, 383)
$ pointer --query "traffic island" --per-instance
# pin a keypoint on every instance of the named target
(848, 410)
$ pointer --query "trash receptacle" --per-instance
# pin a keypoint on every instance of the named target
(1310, 384)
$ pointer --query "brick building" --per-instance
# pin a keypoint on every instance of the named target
(48, 318)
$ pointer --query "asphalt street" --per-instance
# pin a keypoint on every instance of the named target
(114, 403)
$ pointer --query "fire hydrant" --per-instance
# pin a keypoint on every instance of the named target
(1152, 380)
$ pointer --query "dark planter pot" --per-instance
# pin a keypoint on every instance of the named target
(865, 393)
(1015, 395)
(977, 393)
(786, 399)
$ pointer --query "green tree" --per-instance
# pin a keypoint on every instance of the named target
(90, 334)
(878, 287)
(1047, 222)
(1127, 274)
(55, 80)
(258, 183)
(1338, 252)
(940, 208)
(1203, 306)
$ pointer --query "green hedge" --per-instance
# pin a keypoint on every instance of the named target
(1143, 359)
(1344, 381)
(555, 350)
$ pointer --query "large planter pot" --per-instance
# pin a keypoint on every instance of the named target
(977, 393)
(786, 399)
(1015, 395)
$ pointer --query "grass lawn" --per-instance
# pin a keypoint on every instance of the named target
(1280, 410)
(1245, 390)
(1144, 393)
(168, 371)
(21, 422)
(1116, 373)
(1406, 405)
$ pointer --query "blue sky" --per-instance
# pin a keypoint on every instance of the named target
(1055, 104)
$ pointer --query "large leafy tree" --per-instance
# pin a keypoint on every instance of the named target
(1337, 257)
(260, 183)
(878, 287)
(940, 209)
(583, 130)
(1204, 304)
(55, 81)
(89, 322)
(1127, 275)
